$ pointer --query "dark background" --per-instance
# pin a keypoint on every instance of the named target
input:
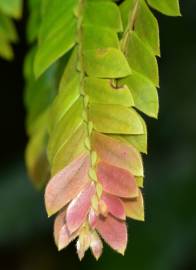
(167, 239)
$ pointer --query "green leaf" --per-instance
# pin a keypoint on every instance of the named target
(106, 63)
(36, 156)
(56, 15)
(39, 95)
(95, 14)
(57, 34)
(28, 66)
(70, 69)
(5, 49)
(65, 128)
(7, 29)
(103, 91)
(147, 28)
(34, 20)
(144, 94)
(11, 8)
(168, 7)
(63, 101)
(95, 37)
(73, 148)
(115, 119)
(141, 59)
(145, 24)
(53, 48)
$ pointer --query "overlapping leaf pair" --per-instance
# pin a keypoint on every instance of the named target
(91, 130)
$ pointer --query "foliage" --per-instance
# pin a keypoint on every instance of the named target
(8, 9)
(91, 69)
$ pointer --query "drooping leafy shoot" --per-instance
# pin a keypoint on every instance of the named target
(91, 70)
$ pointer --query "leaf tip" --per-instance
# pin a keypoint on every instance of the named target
(122, 251)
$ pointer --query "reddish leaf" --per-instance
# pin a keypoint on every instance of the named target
(58, 224)
(92, 217)
(96, 245)
(66, 184)
(134, 208)
(117, 181)
(79, 208)
(61, 234)
(118, 153)
(115, 205)
(113, 231)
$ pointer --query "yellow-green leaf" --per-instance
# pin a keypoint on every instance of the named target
(168, 7)
(141, 59)
(115, 119)
(144, 94)
(144, 22)
(103, 13)
(103, 91)
(106, 63)
(65, 128)
(11, 8)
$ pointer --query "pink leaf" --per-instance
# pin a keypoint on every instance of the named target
(61, 234)
(58, 224)
(92, 217)
(79, 208)
(117, 181)
(134, 208)
(113, 231)
(66, 184)
(118, 153)
(64, 238)
(96, 245)
(115, 206)
(83, 242)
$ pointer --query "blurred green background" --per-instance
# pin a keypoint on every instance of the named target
(167, 239)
